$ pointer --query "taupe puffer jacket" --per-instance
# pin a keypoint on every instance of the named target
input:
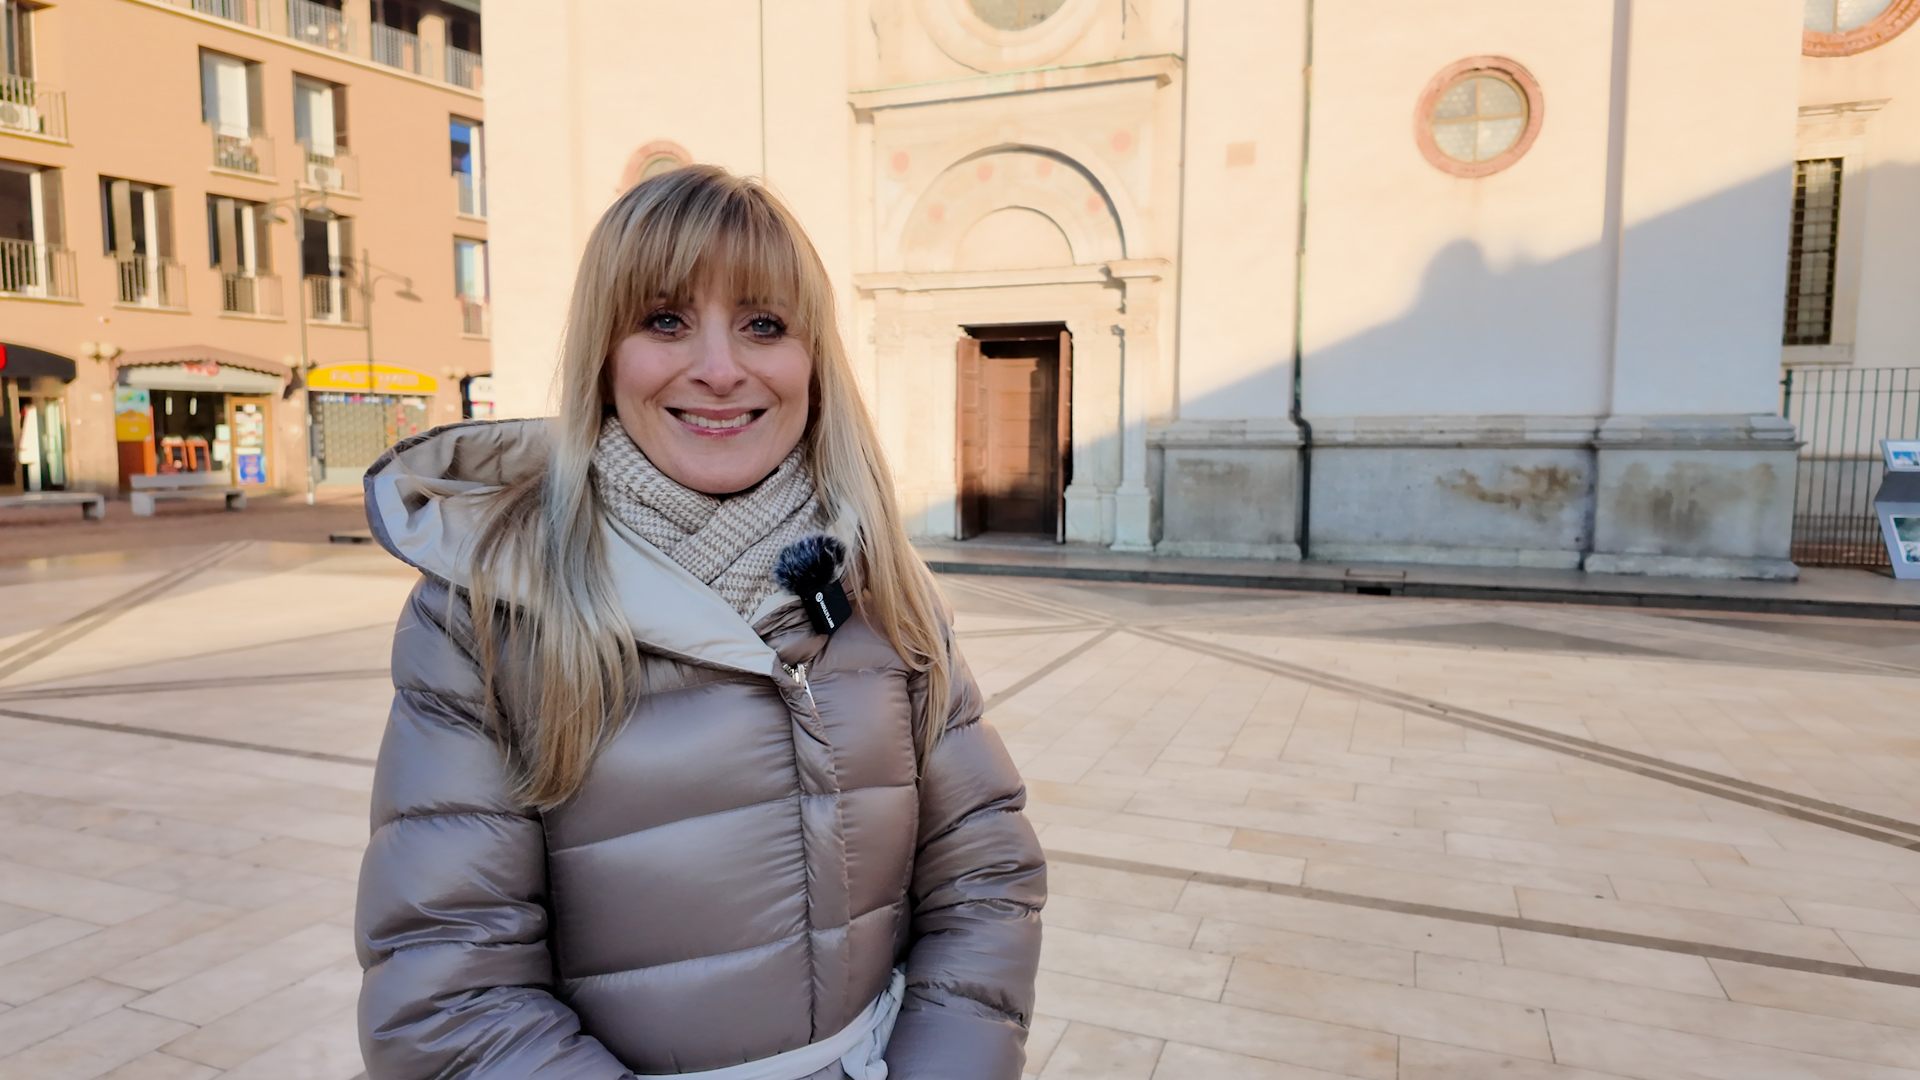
(747, 861)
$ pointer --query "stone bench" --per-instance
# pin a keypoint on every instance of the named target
(147, 490)
(92, 507)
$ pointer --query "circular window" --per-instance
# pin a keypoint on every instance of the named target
(1015, 14)
(1478, 116)
(651, 160)
(1844, 27)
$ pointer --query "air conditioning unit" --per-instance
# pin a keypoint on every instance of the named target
(323, 176)
(19, 117)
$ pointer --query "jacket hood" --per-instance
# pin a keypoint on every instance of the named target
(427, 499)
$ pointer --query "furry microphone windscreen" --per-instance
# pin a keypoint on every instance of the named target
(810, 569)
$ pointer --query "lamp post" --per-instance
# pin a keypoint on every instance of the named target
(368, 279)
(302, 202)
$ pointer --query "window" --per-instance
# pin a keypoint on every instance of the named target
(1478, 116)
(137, 226)
(651, 160)
(469, 166)
(326, 262)
(463, 48)
(1810, 254)
(1015, 14)
(470, 284)
(16, 38)
(236, 240)
(230, 94)
(1845, 27)
(320, 127)
(34, 260)
(395, 41)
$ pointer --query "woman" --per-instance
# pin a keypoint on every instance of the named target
(637, 813)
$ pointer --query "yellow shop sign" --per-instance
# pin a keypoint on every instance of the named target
(386, 380)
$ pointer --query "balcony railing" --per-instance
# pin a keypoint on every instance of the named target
(330, 172)
(248, 293)
(242, 153)
(396, 48)
(472, 198)
(318, 24)
(43, 271)
(474, 317)
(328, 299)
(246, 12)
(154, 283)
(463, 68)
(28, 108)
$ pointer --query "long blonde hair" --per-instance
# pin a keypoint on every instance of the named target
(540, 571)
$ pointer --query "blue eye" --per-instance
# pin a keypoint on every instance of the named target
(665, 322)
(766, 326)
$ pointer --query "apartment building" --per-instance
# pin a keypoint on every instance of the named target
(1502, 283)
(239, 237)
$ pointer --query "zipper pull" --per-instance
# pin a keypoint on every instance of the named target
(799, 673)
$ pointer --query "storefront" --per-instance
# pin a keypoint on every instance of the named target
(361, 409)
(197, 411)
(33, 418)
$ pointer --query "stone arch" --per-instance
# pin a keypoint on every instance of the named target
(1043, 183)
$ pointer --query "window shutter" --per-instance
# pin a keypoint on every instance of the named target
(226, 250)
(163, 226)
(119, 218)
(345, 253)
(262, 241)
(53, 214)
(209, 88)
(338, 99)
(256, 102)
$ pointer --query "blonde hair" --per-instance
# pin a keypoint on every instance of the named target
(540, 569)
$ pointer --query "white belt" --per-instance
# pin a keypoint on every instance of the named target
(859, 1047)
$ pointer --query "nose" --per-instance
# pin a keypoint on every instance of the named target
(716, 368)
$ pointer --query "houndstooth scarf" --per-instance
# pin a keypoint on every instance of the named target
(731, 543)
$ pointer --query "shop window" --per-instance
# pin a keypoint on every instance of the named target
(1845, 27)
(1015, 14)
(469, 166)
(1811, 251)
(1478, 116)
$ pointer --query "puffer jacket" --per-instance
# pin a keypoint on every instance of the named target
(749, 857)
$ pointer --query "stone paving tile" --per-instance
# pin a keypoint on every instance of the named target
(172, 910)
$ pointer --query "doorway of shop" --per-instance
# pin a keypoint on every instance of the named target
(352, 430)
(33, 435)
(1015, 453)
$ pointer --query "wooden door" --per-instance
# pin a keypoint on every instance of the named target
(1021, 451)
(970, 465)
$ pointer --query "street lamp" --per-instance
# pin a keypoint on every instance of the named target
(303, 203)
(368, 279)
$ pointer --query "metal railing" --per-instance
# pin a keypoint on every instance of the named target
(463, 68)
(318, 24)
(242, 153)
(245, 12)
(42, 271)
(1841, 414)
(154, 283)
(328, 299)
(248, 293)
(32, 109)
(474, 317)
(396, 48)
(472, 199)
(330, 172)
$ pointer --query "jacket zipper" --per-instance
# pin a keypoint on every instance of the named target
(799, 673)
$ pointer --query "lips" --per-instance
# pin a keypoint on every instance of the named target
(717, 421)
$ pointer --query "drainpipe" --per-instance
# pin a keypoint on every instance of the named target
(1304, 522)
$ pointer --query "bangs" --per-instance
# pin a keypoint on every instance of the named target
(691, 230)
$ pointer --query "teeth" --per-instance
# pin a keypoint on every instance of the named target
(740, 421)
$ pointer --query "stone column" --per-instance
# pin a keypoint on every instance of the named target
(357, 17)
(433, 46)
(1139, 357)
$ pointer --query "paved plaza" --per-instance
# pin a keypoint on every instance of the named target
(1292, 836)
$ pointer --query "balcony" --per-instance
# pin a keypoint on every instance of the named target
(245, 12)
(328, 300)
(463, 68)
(396, 48)
(252, 154)
(318, 24)
(152, 283)
(471, 199)
(27, 108)
(248, 293)
(475, 320)
(330, 172)
(39, 271)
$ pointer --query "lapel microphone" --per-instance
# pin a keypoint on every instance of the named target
(810, 569)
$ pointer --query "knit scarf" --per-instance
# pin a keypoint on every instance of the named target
(731, 543)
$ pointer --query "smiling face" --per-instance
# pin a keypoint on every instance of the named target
(714, 391)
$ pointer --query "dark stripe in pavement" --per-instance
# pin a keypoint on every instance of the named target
(181, 736)
(175, 685)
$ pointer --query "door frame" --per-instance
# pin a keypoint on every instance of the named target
(970, 415)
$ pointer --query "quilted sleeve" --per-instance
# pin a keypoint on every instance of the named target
(451, 923)
(979, 881)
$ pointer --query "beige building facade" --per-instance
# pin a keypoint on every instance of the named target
(233, 232)
(1482, 283)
